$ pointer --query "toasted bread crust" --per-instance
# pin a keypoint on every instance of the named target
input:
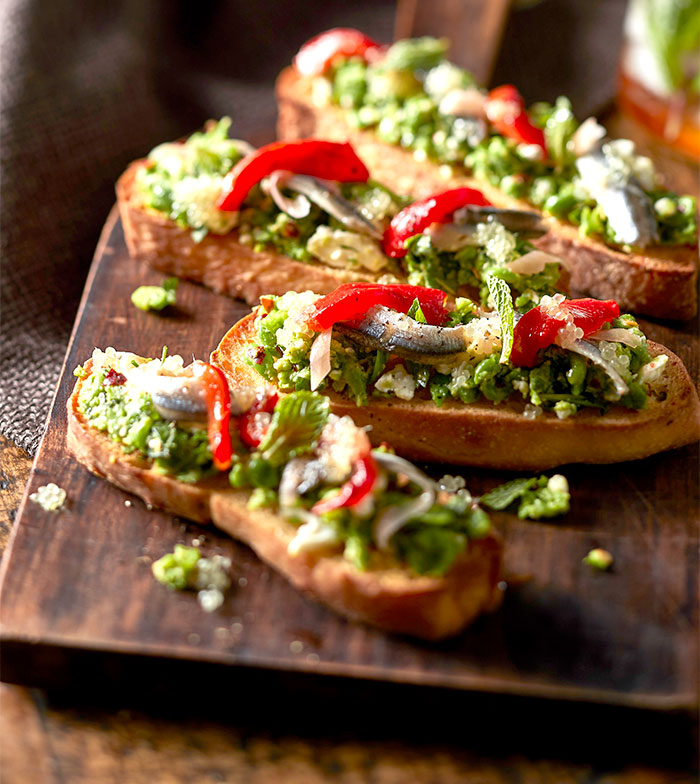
(499, 436)
(390, 598)
(662, 282)
(219, 262)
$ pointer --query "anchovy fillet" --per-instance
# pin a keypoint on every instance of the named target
(514, 220)
(628, 209)
(401, 335)
(333, 203)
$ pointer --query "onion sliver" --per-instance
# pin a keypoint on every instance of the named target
(298, 207)
(592, 352)
(532, 263)
(586, 136)
(320, 357)
(617, 336)
(393, 518)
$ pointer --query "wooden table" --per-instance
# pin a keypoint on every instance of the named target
(276, 733)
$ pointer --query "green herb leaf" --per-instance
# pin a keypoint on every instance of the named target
(296, 424)
(503, 300)
(416, 312)
(504, 495)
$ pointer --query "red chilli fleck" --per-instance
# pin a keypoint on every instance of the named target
(114, 379)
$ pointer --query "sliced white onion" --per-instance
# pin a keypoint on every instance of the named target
(586, 136)
(617, 336)
(298, 207)
(592, 352)
(532, 262)
(468, 102)
(320, 357)
(451, 237)
(393, 518)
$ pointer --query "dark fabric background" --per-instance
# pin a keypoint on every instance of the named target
(87, 86)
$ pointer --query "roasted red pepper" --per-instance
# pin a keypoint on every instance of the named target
(354, 491)
(218, 413)
(415, 218)
(538, 329)
(350, 302)
(316, 55)
(252, 427)
(505, 110)
(317, 158)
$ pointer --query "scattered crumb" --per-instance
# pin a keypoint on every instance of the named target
(242, 582)
(599, 559)
(50, 497)
(312, 658)
(193, 639)
(127, 503)
(296, 646)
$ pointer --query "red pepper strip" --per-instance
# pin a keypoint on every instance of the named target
(505, 110)
(316, 55)
(329, 160)
(415, 218)
(537, 330)
(218, 413)
(350, 302)
(355, 490)
(252, 433)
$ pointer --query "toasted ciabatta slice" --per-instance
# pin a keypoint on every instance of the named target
(661, 282)
(499, 436)
(220, 262)
(390, 597)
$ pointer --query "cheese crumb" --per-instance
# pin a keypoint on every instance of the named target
(50, 497)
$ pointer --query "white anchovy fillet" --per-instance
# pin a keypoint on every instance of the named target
(394, 518)
(628, 209)
(513, 220)
(400, 334)
(333, 203)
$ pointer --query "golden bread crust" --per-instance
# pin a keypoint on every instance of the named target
(219, 262)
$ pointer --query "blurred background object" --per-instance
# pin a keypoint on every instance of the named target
(659, 73)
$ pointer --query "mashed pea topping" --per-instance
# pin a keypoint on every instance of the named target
(562, 381)
(415, 98)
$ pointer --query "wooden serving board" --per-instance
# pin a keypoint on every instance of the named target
(78, 599)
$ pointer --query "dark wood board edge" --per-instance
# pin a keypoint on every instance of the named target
(26, 672)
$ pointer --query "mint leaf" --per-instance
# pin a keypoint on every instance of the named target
(503, 300)
(504, 495)
(297, 422)
(416, 313)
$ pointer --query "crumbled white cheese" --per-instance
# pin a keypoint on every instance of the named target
(297, 305)
(50, 497)
(653, 370)
(198, 196)
(346, 249)
(313, 535)
(451, 484)
(442, 79)
(558, 483)
(497, 241)
(532, 412)
(211, 581)
(399, 381)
